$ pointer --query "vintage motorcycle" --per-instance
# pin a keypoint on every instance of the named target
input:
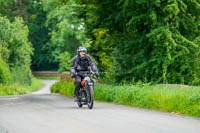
(86, 92)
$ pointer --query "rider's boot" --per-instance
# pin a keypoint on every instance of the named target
(75, 98)
(76, 94)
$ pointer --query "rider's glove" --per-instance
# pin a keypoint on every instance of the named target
(97, 74)
(72, 75)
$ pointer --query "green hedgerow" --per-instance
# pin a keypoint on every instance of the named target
(5, 75)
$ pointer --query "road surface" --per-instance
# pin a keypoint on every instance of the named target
(43, 112)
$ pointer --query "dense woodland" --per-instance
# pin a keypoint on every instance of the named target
(149, 41)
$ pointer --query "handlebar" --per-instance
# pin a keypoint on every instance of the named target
(82, 73)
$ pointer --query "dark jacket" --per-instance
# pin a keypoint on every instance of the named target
(81, 64)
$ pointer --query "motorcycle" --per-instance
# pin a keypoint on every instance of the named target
(86, 92)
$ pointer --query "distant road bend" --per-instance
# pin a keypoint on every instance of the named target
(43, 112)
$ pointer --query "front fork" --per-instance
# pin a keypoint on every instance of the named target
(84, 92)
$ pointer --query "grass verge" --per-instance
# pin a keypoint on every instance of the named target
(17, 89)
(168, 99)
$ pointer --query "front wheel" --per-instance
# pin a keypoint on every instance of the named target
(79, 104)
(90, 97)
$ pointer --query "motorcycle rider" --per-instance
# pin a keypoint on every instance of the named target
(79, 63)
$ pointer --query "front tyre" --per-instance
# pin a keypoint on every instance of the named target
(79, 104)
(90, 97)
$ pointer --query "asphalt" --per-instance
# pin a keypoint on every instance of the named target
(43, 112)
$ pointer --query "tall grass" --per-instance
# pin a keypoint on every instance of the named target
(169, 99)
(17, 88)
(22, 75)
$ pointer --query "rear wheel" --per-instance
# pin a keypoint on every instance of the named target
(90, 97)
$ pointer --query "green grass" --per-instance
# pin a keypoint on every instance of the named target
(168, 99)
(16, 89)
(49, 78)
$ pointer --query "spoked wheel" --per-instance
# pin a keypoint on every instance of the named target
(79, 103)
(90, 97)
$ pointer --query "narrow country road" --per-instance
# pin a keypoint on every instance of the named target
(43, 112)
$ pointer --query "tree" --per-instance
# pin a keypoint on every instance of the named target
(151, 40)
(15, 48)
(66, 31)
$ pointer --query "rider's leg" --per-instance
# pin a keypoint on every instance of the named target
(77, 85)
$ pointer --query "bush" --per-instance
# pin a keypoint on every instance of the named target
(64, 87)
(5, 76)
(15, 48)
(9, 89)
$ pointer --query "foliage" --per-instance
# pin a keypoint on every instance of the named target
(150, 40)
(5, 75)
(15, 48)
(35, 13)
(102, 50)
(64, 87)
(22, 75)
(64, 60)
(38, 36)
(16, 89)
(13, 8)
(66, 32)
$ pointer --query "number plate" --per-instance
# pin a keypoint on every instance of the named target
(90, 83)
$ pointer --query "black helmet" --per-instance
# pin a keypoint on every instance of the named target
(81, 48)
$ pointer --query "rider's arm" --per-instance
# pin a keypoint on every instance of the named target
(72, 67)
